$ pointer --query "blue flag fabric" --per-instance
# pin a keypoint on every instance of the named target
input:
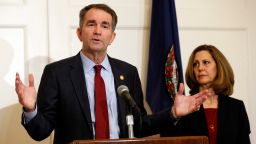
(164, 65)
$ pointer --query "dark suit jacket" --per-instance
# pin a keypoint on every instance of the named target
(63, 103)
(233, 124)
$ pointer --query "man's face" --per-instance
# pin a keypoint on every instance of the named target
(96, 32)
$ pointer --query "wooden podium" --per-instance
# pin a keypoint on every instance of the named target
(162, 140)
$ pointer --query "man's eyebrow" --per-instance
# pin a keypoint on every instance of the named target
(91, 21)
(106, 22)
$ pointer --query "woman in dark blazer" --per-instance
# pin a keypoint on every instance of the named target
(222, 118)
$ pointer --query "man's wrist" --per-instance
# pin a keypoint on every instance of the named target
(29, 110)
(29, 115)
(173, 114)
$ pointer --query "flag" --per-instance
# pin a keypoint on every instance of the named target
(164, 64)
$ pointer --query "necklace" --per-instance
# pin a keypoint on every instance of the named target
(212, 120)
(211, 126)
(211, 117)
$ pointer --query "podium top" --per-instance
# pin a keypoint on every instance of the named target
(162, 140)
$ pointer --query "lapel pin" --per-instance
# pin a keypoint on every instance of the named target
(121, 77)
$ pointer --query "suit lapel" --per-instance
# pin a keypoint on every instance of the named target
(78, 80)
(119, 78)
(221, 118)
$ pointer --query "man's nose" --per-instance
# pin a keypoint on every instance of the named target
(97, 30)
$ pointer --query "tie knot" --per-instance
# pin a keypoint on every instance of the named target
(97, 68)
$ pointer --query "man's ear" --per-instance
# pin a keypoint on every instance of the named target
(79, 33)
(113, 37)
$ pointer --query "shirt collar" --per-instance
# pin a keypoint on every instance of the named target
(89, 64)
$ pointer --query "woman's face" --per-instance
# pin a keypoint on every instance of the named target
(205, 69)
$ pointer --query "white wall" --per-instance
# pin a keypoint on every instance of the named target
(33, 33)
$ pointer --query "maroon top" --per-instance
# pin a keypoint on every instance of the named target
(212, 121)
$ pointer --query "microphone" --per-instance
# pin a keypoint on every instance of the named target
(123, 91)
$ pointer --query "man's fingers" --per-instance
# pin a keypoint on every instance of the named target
(181, 89)
(17, 79)
(31, 80)
(198, 107)
(203, 95)
(200, 98)
(18, 84)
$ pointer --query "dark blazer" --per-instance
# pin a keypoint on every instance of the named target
(63, 103)
(233, 124)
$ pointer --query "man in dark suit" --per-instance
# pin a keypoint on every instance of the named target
(65, 100)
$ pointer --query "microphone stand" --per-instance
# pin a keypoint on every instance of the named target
(130, 123)
(130, 120)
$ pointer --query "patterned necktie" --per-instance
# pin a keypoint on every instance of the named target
(101, 115)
